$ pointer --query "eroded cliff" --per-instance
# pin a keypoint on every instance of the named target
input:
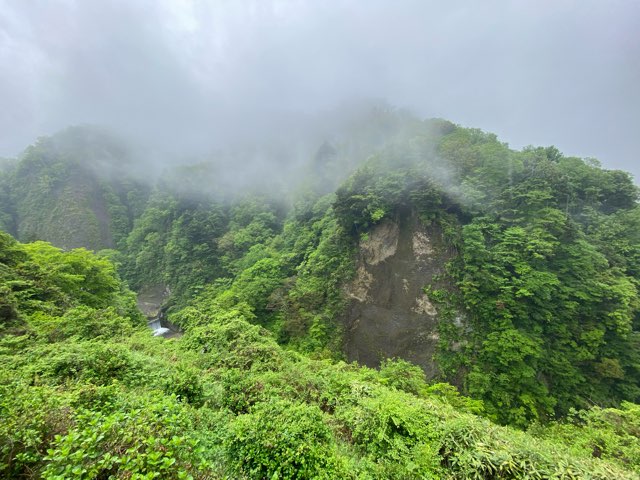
(389, 314)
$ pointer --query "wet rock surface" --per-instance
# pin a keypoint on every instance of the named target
(151, 300)
(389, 314)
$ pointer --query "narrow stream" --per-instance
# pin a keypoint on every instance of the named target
(163, 328)
(150, 301)
(156, 326)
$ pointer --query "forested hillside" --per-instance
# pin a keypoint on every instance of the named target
(86, 392)
(509, 280)
(72, 189)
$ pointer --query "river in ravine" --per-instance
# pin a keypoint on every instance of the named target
(151, 300)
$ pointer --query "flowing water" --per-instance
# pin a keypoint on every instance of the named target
(150, 302)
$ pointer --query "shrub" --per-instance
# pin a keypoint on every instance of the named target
(95, 362)
(234, 344)
(31, 418)
(403, 375)
(282, 439)
(185, 384)
(81, 322)
(151, 438)
(393, 429)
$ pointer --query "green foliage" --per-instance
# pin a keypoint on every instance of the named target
(550, 304)
(602, 433)
(42, 281)
(226, 401)
(93, 362)
(386, 184)
(175, 242)
(32, 416)
(400, 374)
(452, 396)
(71, 189)
(7, 208)
(538, 316)
(316, 298)
(281, 439)
(144, 439)
(533, 290)
(79, 273)
(81, 322)
(232, 343)
(186, 385)
(255, 284)
(395, 430)
(253, 221)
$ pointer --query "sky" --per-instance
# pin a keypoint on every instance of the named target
(184, 73)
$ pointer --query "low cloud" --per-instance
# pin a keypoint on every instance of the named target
(193, 75)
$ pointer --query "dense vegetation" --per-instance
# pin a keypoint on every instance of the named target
(86, 392)
(547, 272)
(538, 316)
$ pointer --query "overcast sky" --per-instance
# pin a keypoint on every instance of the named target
(561, 72)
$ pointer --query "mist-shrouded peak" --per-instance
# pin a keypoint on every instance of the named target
(193, 76)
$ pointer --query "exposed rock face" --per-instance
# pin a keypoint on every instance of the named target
(151, 298)
(424, 305)
(389, 314)
(381, 243)
(359, 288)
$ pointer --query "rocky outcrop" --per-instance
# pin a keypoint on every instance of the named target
(151, 302)
(389, 314)
(381, 243)
(151, 298)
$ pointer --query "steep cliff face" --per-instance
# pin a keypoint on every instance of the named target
(389, 314)
(70, 213)
(73, 189)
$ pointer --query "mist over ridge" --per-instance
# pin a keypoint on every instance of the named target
(188, 78)
(297, 239)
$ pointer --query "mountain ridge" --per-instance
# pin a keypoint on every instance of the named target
(518, 231)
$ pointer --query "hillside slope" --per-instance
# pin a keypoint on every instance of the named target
(511, 274)
(86, 392)
(73, 189)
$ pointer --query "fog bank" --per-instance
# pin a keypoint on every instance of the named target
(185, 77)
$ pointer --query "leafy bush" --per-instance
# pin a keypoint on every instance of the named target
(281, 439)
(148, 440)
(394, 429)
(400, 374)
(609, 433)
(82, 322)
(186, 385)
(233, 344)
(94, 362)
(31, 418)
